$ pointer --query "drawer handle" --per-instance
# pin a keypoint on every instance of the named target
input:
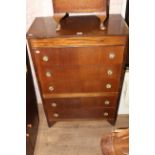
(106, 114)
(37, 51)
(29, 125)
(51, 88)
(109, 72)
(30, 35)
(53, 104)
(56, 115)
(112, 55)
(27, 135)
(79, 33)
(48, 74)
(45, 58)
(107, 102)
(108, 86)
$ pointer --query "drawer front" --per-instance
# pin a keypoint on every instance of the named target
(83, 102)
(81, 113)
(79, 56)
(85, 72)
(80, 86)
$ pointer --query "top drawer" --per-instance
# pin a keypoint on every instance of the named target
(79, 55)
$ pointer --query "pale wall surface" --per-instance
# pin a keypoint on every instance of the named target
(38, 8)
(124, 101)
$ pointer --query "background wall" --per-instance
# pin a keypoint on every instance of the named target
(38, 8)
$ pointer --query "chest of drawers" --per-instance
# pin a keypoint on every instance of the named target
(80, 68)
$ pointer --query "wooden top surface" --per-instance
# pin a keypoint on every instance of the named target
(45, 27)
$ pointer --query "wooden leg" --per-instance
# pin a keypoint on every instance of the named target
(102, 19)
(112, 121)
(58, 19)
(58, 28)
(102, 26)
(50, 124)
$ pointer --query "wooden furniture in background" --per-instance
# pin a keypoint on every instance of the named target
(80, 69)
(32, 118)
(63, 8)
(127, 13)
(127, 21)
(116, 142)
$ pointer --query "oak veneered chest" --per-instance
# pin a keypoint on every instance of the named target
(80, 68)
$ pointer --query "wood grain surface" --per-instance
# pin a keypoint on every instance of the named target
(73, 63)
(79, 6)
(45, 27)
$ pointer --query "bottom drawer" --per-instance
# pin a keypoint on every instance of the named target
(81, 113)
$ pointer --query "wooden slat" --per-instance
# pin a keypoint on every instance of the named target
(72, 95)
(78, 41)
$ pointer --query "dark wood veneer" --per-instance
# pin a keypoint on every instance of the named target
(72, 86)
(81, 113)
(83, 102)
(45, 28)
(77, 57)
(32, 118)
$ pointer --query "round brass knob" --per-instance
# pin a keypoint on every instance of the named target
(56, 115)
(51, 88)
(27, 135)
(48, 74)
(108, 86)
(29, 125)
(79, 33)
(111, 55)
(109, 72)
(106, 114)
(107, 102)
(37, 51)
(30, 35)
(53, 104)
(45, 58)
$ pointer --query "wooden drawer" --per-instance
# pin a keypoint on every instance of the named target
(72, 69)
(81, 113)
(79, 56)
(80, 86)
(82, 102)
(85, 72)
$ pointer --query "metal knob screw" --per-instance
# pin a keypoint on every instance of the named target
(107, 102)
(108, 86)
(45, 58)
(27, 135)
(48, 74)
(29, 125)
(56, 115)
(53, 104)
(109, 72)
(79, 33)
(51, 88)
(30, 35)
(106, 114)
(111, 55)
(37, 51)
